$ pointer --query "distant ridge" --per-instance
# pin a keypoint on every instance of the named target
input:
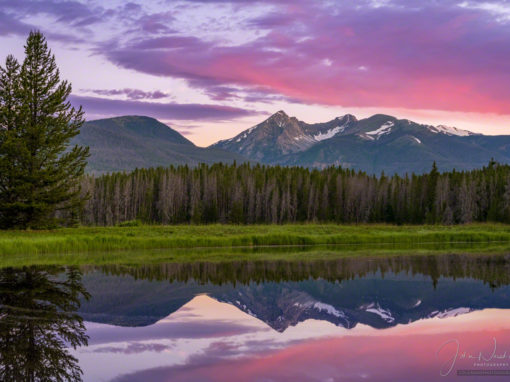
(375, 144)
(129, 142)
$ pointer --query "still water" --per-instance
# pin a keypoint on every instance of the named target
(398, 318)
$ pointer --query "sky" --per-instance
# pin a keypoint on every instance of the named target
(212, 68)
(206, 340)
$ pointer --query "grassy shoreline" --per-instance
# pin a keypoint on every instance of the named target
(250, 254)
(104, 239)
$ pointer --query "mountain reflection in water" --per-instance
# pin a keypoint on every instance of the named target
(253, 321)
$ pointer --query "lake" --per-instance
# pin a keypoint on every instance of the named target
(384, 318)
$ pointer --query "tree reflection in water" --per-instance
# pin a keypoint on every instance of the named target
(39, 323)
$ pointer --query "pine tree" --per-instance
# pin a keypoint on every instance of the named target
(39, 174)
(9, 110)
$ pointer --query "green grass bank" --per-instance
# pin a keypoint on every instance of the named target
(104, 239)
(144, 257)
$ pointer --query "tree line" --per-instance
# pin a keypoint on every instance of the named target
(251, 194)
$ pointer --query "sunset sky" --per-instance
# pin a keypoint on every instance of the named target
(211, 68)
(207, 340)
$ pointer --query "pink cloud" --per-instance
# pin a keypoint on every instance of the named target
(443, 58)
(406, 54)
(389, 357)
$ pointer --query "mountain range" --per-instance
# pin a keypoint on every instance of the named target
(375, 144)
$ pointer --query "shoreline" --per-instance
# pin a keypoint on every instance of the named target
(89, 242)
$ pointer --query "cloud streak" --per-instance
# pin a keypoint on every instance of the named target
(132, 94)
(98, 107)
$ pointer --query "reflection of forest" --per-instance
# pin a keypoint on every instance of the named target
(38, 323)
(491, 269)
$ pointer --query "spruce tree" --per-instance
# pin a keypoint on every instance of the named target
(39, 173)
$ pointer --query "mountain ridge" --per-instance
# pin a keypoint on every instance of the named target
(374, 144)
(289, 134)
(128, 142)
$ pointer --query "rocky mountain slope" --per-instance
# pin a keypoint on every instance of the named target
(280, 135)
(374, 144)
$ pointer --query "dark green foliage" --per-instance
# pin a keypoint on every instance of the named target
(245, 194)
(491, 269)
(39, 174)
(40, 323)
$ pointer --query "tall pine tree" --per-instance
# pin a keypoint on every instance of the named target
(39, 173)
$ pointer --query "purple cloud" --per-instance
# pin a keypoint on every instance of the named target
(391, 54)
(443, 55)
(72, 12)
(10, 25)
(156, 23)
(134, 348)
(230, 93)
(132, 94)
(104, 107)
(106, 334)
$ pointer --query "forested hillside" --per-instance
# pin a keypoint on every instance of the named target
(266, 194)
(129, 142)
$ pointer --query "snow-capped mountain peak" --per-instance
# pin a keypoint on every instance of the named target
(388, 144)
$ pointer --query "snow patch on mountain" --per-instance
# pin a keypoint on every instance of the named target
(305, 138)
(384, 129)
(450, 312)
(366, 137)
(242, 137)
(320, 306)
(330, 133)
(251, 313)
(449, 130)
(385, 314)
(321, 136)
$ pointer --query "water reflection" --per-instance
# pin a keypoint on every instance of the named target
(380, 292)
(491, 269)
(39, 322)
(271, 320)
